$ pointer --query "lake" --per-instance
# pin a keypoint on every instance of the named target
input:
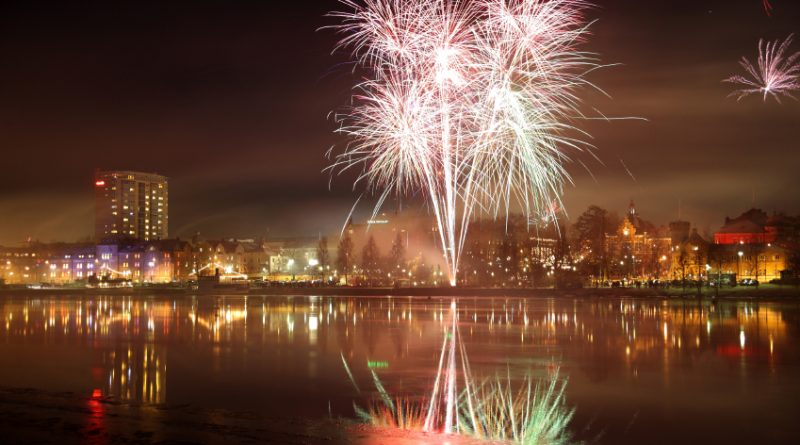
(639, 370)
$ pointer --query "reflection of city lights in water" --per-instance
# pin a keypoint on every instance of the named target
(289, 323)
(131, 354)
(313, 323)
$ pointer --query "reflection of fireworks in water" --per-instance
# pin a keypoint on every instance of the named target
(776, 75)
(492, 409)
(468, 101)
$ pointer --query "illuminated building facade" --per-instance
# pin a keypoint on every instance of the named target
(751, 227)
(293, 258)
(131, 205)
(161, 261)
(245, 258)
(690, 258)
(750, 246)
(57, 263)
(638, 249)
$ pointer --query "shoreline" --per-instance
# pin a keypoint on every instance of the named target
(765, 292)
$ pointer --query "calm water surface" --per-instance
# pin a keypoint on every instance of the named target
(640, 370)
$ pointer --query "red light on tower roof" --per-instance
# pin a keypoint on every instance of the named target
(100, 183)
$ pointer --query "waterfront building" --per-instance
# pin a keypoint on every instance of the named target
(293, 258)
(131, 205)
(159, 261)
(751, 227)
(690, 258)
(229, 256)
(255, 259)
(638, 249)
(54, 264)
(750, 246)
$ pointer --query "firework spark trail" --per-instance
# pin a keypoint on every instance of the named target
(450, 404)
(767, 7)
(447, 398)
(775, 74)
(469, 101)
(432, 413)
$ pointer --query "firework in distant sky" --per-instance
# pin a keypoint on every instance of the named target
(775, 74)
(468, 102)
(768, 7)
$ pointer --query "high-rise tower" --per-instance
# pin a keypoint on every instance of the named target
(131, 205)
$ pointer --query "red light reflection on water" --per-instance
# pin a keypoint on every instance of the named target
(95, 431)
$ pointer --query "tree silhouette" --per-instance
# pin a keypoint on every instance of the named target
(323, 256)
(397, 256)
(344, 259)
(371, 259)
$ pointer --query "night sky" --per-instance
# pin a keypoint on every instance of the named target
(231, 101)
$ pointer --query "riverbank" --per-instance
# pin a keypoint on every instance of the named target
(764, 292)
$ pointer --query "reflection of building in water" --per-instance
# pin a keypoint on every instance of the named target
(127, 338)
(138, 374)
(220, 321)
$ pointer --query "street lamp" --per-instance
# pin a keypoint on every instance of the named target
(739, 264)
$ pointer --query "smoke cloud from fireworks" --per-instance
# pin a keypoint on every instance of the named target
(469, 102)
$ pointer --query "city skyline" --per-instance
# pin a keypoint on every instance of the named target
(199, 95)
(400, 221)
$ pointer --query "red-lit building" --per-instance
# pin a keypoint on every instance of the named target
(749, 246)
(751, 227)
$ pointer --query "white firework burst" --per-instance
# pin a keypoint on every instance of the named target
(469, 101)
(775, 73)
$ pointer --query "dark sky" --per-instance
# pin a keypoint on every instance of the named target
(230, 100)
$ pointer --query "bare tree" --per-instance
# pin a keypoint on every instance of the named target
(371, 259)
(591, 229)
(344, 259)
(323, 256)
(397, 256)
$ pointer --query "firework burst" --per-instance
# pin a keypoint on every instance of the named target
(470, 102)
(775, 74)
